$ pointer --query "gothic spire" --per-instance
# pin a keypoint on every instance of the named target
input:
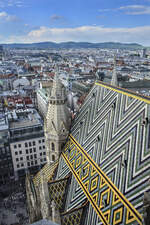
(114, 80)
(57, 123)
(57, 85)
(56, 73)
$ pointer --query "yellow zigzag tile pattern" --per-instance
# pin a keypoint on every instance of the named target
(124, 91)
(48, 172)
(109, 203)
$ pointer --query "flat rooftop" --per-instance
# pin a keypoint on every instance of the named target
(3, 122)
(24, 118)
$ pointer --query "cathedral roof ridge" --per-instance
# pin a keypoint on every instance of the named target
(124, 91)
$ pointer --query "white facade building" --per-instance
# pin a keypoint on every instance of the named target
(42, 101)
(42, 97)
(27, 141)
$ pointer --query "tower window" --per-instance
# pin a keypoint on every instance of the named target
(53, 158)
(53, 147)
(26, 144)
(62, 145)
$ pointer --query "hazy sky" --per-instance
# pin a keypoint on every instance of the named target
(75, 20)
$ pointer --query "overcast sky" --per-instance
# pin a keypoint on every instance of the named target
(75, 20)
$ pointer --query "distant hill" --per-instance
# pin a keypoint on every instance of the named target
(41, 45)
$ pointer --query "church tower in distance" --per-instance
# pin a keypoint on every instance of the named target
(114, 80)
(57, 122)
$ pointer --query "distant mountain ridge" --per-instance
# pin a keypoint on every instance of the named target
(68, 45)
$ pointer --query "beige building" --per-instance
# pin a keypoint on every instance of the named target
(57, 122)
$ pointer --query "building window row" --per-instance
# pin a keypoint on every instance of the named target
(32, 163)
(29, 144)
(19, 152)
(41, 141)
(20, 165)
(33, 143)
(42, 147)
(17, 159)
(31, 157)
(42, 153)
(30, 150)
(19, 146)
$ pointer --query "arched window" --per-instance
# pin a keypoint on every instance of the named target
(53, 158)
(53, 147)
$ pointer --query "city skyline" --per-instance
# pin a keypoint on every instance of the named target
(28, 21)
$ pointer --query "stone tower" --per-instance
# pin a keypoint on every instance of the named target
(57, 122)
(114, 80)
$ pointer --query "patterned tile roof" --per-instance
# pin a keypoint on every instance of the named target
(48, 172)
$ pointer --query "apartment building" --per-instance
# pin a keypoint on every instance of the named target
(27, 141)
